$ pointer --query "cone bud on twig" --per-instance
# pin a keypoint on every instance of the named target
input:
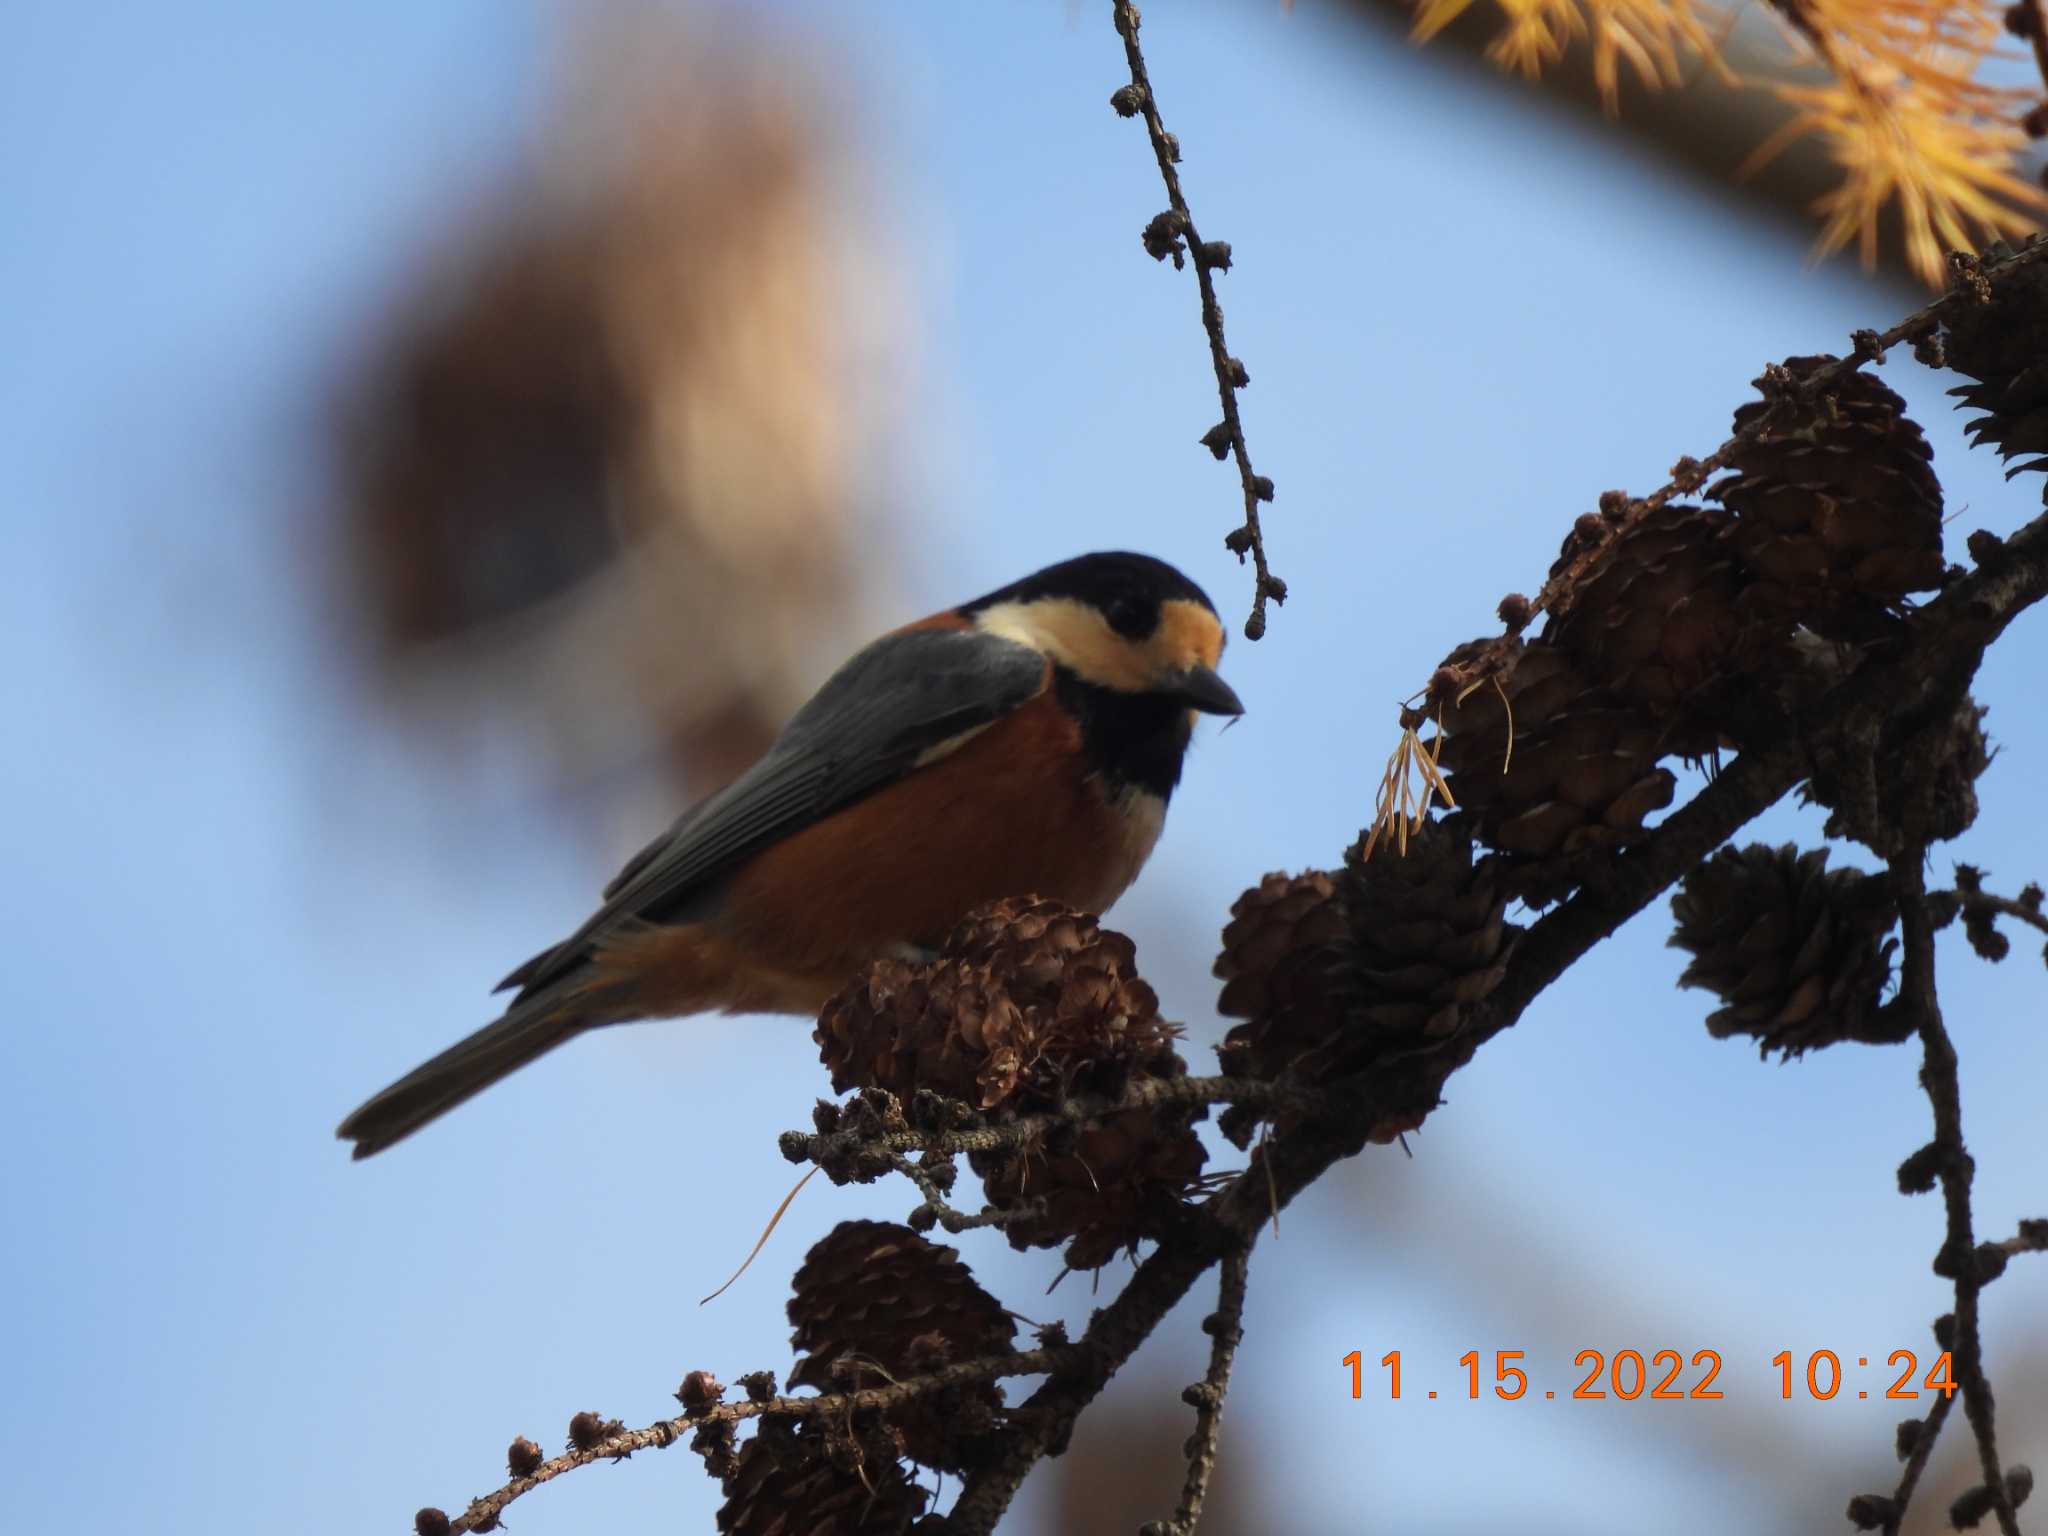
(700, 1393)
(1906, 1436)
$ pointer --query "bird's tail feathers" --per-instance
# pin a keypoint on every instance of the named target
(530, 1028)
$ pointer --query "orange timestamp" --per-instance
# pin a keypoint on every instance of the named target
(1667, 1375)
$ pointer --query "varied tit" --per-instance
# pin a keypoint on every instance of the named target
(1025, 743)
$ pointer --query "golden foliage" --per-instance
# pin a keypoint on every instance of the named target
(1901, 107)
(1654, 36)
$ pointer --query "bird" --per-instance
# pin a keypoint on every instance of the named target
(1024, 743)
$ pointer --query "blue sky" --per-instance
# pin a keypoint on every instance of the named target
(237, 903)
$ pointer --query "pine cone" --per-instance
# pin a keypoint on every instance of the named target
(875, 1302)
(1580, 765)
(1796, 950)
(1837, 511)
(792, 1483)
(1385, 966)
(1652, 615)
(2003, 345)
(1279, 915)
(1919, 790)
(1117, 1182)
(1029, 1003)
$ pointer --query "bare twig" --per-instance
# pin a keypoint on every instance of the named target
(1163, 238)
(1225, 1327)
(1958, 1259)
(1027, 1131)
(483, 1513)
(2029, 19)
(936, 1211)
(2004, 906)
(2032, 1237)
(1929, 1431)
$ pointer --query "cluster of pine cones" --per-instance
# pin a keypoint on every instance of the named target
(1670, 628)
(1673, 631)
(873, 1304)
(1369, 967)
(1028, 1004)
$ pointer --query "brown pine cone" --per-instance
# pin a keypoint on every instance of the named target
(1920, 790)
(2003, 346)
(1795, 950)
(1652, 615)
(793, 1484)
(1837, 510)
(1396, 954)
(1117, 1182)
(1580, 766)
(1029, 1003)
(1279, 915)
(876, 1302)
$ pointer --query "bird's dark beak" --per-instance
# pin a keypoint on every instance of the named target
(1200, 688)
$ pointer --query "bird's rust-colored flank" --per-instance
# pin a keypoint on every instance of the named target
(988, 820)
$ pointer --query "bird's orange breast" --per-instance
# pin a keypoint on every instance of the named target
(1012, 811)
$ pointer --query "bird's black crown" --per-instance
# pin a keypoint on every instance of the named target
(1128, 589)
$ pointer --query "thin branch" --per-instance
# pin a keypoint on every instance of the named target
(483, 1512)
(1916, 1461)
(2004, 906)
(1958, 1258)
(1225, 1327)
(936, 1211)
(1162, 239)
(2029, 19)
(1027, 1131)
(2032, 1237)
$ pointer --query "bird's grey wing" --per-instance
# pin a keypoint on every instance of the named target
(870, 724)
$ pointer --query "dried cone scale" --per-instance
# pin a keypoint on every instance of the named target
(2002, 345)
(1028, 1003)
(1796, 952)
(1547, 765)
(1338, 974)
(875, 1303)
(1837, 510)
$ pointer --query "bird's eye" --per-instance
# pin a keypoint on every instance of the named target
(1128, 617)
